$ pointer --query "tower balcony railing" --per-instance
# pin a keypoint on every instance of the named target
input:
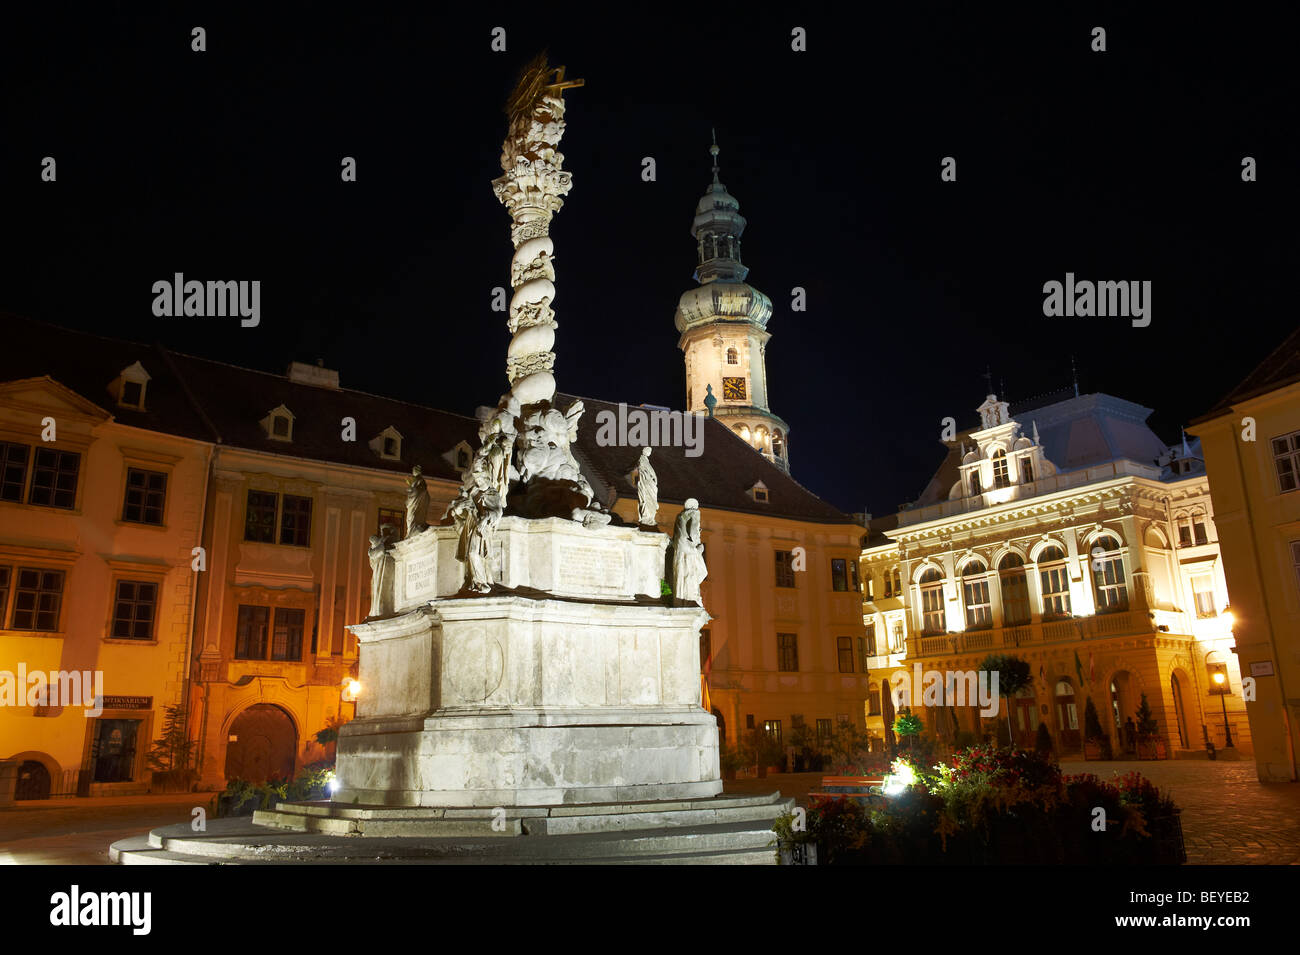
(1037, 633)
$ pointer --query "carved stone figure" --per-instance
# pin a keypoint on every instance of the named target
(477, 511)
(647, 491)
(688, 567)
(382, 571)
(545, 451)
(417, 502)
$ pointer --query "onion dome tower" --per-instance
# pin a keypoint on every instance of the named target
(723, 326)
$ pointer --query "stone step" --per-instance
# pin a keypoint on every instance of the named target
(238, 841)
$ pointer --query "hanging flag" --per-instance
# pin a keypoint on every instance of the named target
(1092, 669)
(1078, 667)
(1042, 676)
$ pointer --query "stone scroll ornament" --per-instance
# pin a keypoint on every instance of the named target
(688, 569)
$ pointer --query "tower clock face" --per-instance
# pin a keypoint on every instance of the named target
(733, 389)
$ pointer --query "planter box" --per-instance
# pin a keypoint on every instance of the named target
(1153, 748)
(173, 781)
(1097, 749)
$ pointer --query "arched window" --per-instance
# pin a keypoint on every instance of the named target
(1108, 575)
(778, 444)
(1198, 526)
(932, 615)
(975, 590)
(1000, 475)
(1015, 590)
(733, 357)
(1055, 582)
(1184, 530)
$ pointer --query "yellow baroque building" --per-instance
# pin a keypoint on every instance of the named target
(101, 503)
(1070, 536)
(1252, 452)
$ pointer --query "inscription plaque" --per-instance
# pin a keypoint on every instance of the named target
(590, 566)
(420, 580)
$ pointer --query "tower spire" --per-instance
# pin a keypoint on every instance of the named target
(713, 151)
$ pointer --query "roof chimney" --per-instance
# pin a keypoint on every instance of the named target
(316, 375)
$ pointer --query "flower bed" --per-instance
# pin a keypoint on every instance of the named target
(996, 806)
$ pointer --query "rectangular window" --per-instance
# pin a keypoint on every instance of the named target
(1203, 591)
(395, 519)
(1286, 459)
(54, 478)
(853, 576)
(839, 574)
(773, 729)
(1000, 476)
(37, 597)
(259, 523)
(844, 650)
(1056, 592)
(933, 619)
(295, 521)
(146, 492)
(1184, 533)
(979, 608)
(1198, 529)
(250, 634)
(869, 591)
(873, 703)
(871, 642)
(134, 610)
(897, 646)
(13, 471)
(749, 721)
(787, 652)
(286, 640)
(5, 581)
(1108, 578)
(862, 654)
(784, 568)
(1026, 470)
(825, 729)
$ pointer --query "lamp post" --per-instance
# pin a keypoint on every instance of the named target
(1221, 679)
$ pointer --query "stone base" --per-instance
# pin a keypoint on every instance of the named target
(726, 830)
(530, 758)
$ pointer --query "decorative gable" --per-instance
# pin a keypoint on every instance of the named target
(460, 457)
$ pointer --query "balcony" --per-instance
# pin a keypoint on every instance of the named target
(1128, 623)
(1047, 485)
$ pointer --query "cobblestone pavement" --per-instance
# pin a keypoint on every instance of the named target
(79, 831)
(1229, 817)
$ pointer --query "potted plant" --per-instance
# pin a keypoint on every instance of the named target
(171, 754)
(908, 726)
(731, 759)
(1096, 744)
(763, 750)
(1150, 745)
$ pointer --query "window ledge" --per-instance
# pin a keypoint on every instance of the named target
(127, 641)
(48, 634)
(140, 524)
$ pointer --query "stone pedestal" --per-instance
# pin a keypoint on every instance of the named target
(571, 683)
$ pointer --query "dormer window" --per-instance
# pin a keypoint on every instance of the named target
(129, 386)
(388, 444)
(462, 460)
(1000, 476)
(278, 424)
(759, 492)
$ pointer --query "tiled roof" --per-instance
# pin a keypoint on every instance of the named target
(214, 401)
(1280, 368)
(720, 477)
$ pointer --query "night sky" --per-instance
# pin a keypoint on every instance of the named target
(1122, 165)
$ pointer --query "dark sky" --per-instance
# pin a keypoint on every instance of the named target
(1123, 165)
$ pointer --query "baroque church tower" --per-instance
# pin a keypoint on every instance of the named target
(723, 326)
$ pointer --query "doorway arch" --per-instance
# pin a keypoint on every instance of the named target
(263, 744)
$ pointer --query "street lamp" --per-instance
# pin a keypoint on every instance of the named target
(1221, 679)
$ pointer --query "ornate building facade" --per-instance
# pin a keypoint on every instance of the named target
(723, 326)
(1252, 452)
(1069, 536)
